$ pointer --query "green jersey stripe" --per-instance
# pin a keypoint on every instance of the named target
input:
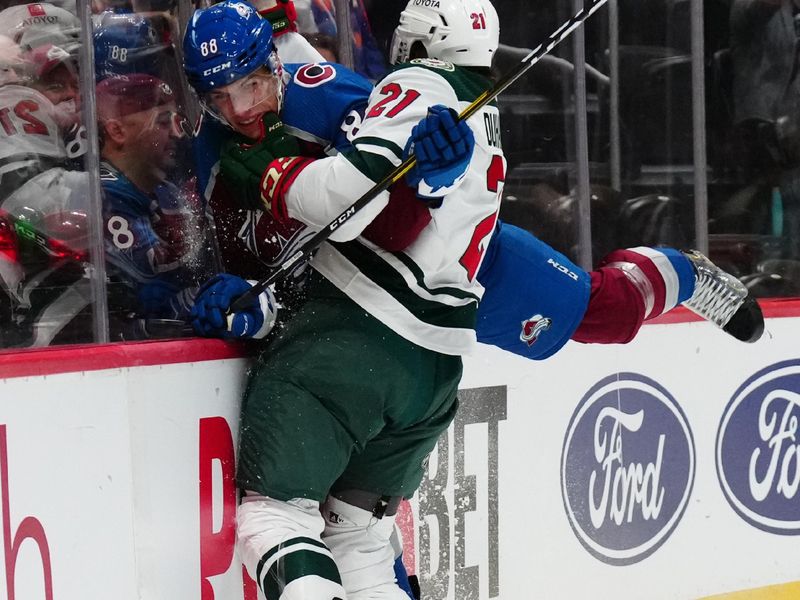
(299, 540)
(467, 84)
(297, 564)
(420, 278)
(431, 312)
(372, 165)
(376, 141)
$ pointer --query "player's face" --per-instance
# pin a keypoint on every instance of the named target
(243, 103)
(160, 134)
(60, 86)
(150, 137)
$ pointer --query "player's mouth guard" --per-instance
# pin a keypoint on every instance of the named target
(724, 300)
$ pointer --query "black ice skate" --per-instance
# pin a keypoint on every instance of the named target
(724, 300)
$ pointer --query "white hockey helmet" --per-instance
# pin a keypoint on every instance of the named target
(39, 24)
(463, 32)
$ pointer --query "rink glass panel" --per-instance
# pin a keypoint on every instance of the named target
(50, 229)
(46, 265)
(158, 237)
(623, 172)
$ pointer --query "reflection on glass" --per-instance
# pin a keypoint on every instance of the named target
(154, 223)
(755, 220)
(156, 233)
(538, 134)
(317, 20)
(44, 265)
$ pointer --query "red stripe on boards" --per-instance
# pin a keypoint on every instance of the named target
(96, 357)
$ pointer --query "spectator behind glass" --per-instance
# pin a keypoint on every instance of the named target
(150, 234)
(55, 75)
(367, 58)
(325, 45)
(766, 99)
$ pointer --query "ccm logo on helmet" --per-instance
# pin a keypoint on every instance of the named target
(217, 69)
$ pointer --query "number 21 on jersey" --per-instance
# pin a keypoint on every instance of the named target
(471, 259)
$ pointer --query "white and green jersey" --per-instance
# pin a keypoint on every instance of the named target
(427, 293)
(30, 139)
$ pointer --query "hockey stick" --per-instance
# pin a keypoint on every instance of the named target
(308, 247)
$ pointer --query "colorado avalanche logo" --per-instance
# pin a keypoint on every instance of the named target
(531, 328)
(315, 74)
(758, 450)
(627, 468)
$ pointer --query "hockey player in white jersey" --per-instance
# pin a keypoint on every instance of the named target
(369, 367)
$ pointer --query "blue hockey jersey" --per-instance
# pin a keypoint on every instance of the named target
(150, 270)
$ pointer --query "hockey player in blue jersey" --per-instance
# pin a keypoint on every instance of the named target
(565, 301)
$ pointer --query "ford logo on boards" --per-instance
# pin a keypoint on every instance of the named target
(758, 450)
(627, 468)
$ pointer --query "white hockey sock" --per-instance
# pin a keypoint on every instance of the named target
(361, 545)
(280, 545)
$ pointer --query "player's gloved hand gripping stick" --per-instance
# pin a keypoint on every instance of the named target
(306, 249)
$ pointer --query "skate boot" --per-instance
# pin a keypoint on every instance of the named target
(724, 300)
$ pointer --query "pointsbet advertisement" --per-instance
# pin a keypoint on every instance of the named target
(667, 468)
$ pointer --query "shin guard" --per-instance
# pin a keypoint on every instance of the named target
(280, 545)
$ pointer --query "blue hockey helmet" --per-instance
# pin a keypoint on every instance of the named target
(126, 43)
(226, 42)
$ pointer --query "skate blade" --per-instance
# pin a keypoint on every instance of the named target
(747, 323)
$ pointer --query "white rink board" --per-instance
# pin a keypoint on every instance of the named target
(108, 464)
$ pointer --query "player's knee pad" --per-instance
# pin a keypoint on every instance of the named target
(280, 545)
(361, 544)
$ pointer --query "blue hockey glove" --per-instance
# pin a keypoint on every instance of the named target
(210, 311)
(443, 146)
